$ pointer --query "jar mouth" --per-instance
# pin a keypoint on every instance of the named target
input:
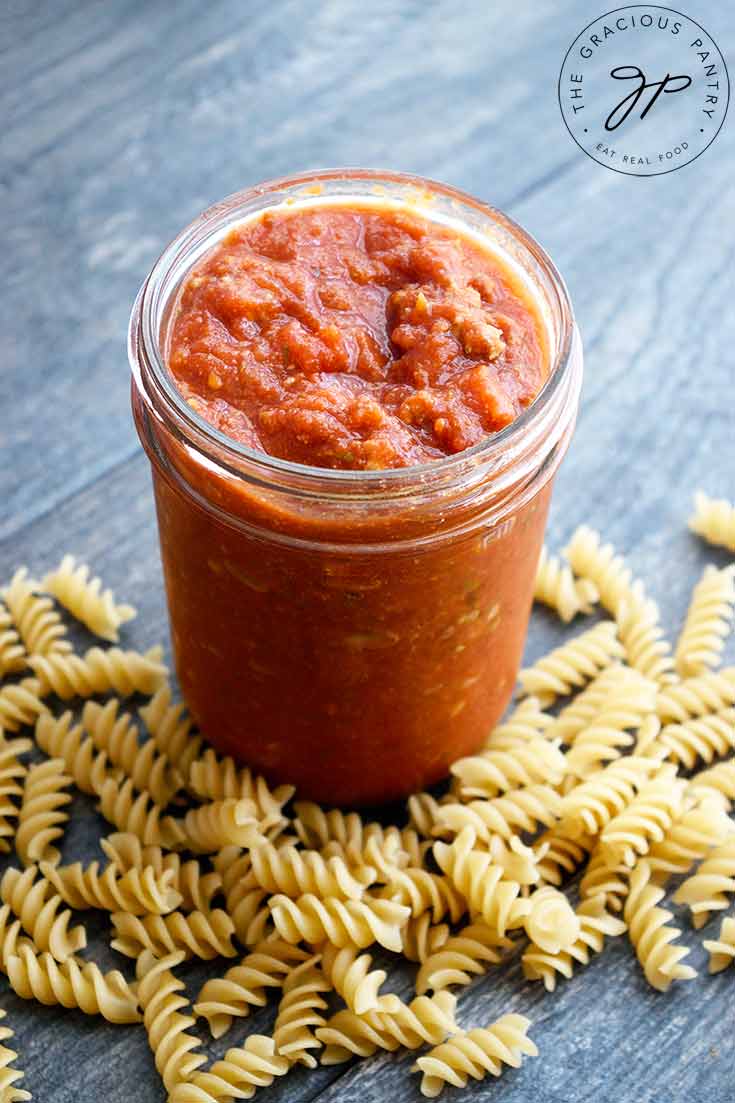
(156, 300)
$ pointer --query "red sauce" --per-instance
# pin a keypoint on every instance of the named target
(355, 338)
(354, 653)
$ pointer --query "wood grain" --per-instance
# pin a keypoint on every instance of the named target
(123, 120)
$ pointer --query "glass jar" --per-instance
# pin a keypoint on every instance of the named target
(351, 632)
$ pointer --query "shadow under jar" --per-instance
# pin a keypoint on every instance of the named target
(351, 632)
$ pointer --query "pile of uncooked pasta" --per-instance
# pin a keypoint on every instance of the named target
(615, 765)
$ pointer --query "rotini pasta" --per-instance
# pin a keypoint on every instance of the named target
(558, 857)
(629, 835)
(139, 815)
(590, 559)
(61, 738)
(229, 822)
(707, 623)
(10, 937)
(708, 888)
(420, 938)
(722, 949)
(300, 1013)
(557, 587)
(714, 520)
(12, 774)
(608, 734)
(589, 807)
(424, 891)
(296, 872)
(196, 888)
(595, 924)
(601, 877)
(493, 772)
(475, 1053)
(138, 891)
(38, 976)
(517, 861)
(694, 833)
(171, 729)
(39, 625)
(98, 671)
(526, 724)
(700, 739)
(422, 813)
(463, 956)
(343, 922)
(616, 682)
(161, 997)
(652, 939)
(41, 817)
(13, 654)
(573, 664)
(117, 736)
(520, 810)
(20, 704)
(245, 985)
(481, 882)
(9, 1075)
(40, 912)
(646, 648)
(204, 935)
(212, 777)
(85, 599)
(426, 1019)
(245, 901)
(699, 696)
(237, 1076)
(550, 922)
(351, 975)
(719, 779)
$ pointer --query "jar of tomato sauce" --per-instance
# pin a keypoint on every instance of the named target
(350, 631)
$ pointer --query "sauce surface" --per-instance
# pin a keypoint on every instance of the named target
(355, 337)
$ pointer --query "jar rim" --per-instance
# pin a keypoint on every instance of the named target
(144, 337)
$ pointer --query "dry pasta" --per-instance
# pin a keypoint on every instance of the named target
(343, 922)
(204, 935)
(423, 891)
(573, 664)
(139, 815)
(13, 654)
(115, 734)
(714, 519)
(722, 949)
(212, 777)
(692, 836)
(493, 772)
(171, 729)
(195, 887)
(162, 1001)
(420, 938)
(20, 703)
(62, 739)
(697, 696)
(650, 935)
(351, 975)
(595, 924)
(300, 1013)
(41, 915)
(708, 622)
(296, 872)
(520, 810)
(38, 976)
(41, 818)
(9, 1076)
(708, 889)
(12, 774)
(550, 922)
(427, 1019)
(700, 739)
(474, 1054)
(646, 820)
(463, 956)
(557, 587)
(39, 625)
(481, 882)
(98, 671)
(229, 822)
(85, 599)
(138, 891)
(243, 1069)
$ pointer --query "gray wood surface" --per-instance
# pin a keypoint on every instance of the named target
(120, 121)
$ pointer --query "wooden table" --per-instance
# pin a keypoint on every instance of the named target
(123, 120)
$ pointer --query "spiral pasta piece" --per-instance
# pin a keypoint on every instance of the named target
(318, 829)
(171, 729)
(475, 1053)
(604, 878)
(162, 1001)
(493, 772)
(139, 815)
(85, 599)
(558, 857)
(551, 923)
(714, 520)
(41, 819)
(40, 912)
(98, 671)
(463, 956)
(229, 822)
(300, 1012)
(645, 821)
(615, 683)
(520, 810)
(646, 648)
(589, 807)
(188, 879)
(139, 891)
(708, 622)
(701, 739)
(204, 935)
(526, 724)
(707, 890)
(343, 922)
(13, 654)
(573, 664)
(719, 779)
(351, 975)
(609, 732)
(699, 828)
(481, 882)
(61, 738)
(296, 872)
(245, 901)
(652, 939)
(116, 735)
(222, 999)
(722, 949)
(420, 938)
(38, 976)
(20, 704)
(590, 559)
(423, 891)
(212, 777)
(422, 810)
(557, 587)
(238, 1075)
(12, 775)
(39, 625)
(10, 936)
(595, 924)
(699, 696)
(9, 1075)
(426, 1019)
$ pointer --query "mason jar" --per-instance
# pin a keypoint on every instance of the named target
(350, 632)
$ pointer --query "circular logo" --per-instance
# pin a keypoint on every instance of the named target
(644, 90)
